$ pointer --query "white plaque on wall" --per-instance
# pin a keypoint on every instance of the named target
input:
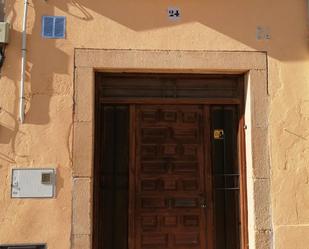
(33, 183)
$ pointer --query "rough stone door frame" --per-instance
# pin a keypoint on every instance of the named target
(252, 64)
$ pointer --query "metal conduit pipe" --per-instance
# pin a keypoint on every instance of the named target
(23, 64)
(308, 12)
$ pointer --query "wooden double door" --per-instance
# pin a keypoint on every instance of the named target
(156, 183)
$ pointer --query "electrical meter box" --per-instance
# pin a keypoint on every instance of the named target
(33, 183)
(4, 32)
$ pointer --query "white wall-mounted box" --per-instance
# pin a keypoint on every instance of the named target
(33, 183)
(4, 32)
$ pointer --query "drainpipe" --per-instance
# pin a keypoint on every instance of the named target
(23, 64)
(308, 12)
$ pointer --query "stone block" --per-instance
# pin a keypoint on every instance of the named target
(260, 155)
(260, 100)
(82, 206)
(262, 204)
(171, 59)
(81, 242)
(83, 149)
(84, 94)
(263, 239)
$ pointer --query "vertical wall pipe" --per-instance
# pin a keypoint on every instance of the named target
(308, 12)
(23, 64)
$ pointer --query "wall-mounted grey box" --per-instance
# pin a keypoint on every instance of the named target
(4, 32)
(33, 183)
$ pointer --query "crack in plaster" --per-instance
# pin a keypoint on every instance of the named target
(70, 143)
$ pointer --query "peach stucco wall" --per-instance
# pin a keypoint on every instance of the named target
(46, 137)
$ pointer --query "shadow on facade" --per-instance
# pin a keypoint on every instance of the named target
(236, 19)
(40, 69)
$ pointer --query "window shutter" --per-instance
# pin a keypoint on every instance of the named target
(47, 27)
(53, 27)
(59, 30)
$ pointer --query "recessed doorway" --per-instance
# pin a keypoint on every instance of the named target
(168, 167)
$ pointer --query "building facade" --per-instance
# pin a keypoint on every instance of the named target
(158, 63)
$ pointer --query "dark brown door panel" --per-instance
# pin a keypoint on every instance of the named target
(170, 177)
